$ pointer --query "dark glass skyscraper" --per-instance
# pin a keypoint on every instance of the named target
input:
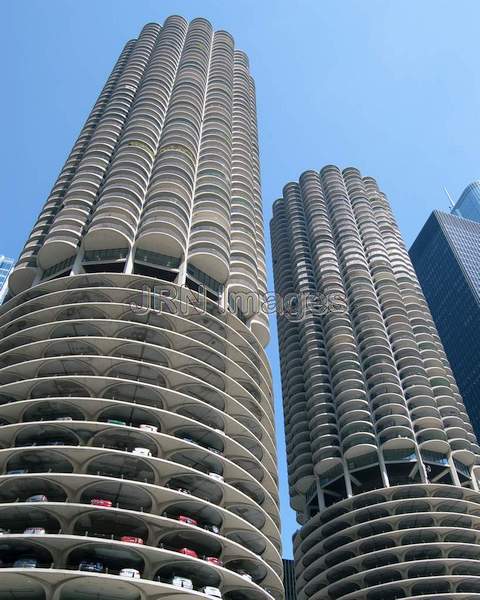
(289, 579)
(468, 205)
(446, 257)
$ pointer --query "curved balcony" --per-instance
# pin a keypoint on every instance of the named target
(116, 453)
(209, 250)
(364, 546)
(160, 229)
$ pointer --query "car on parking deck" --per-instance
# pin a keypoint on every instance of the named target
(188, 552)
(130, 539)
(142, 451)
(101, 502)
(213, 560)
(35, 531)
(146, 427)
(91, 566)
(211, 592)
(131, 573)
(182, 582)
(26, 563)
(188, 520)
(37, 498)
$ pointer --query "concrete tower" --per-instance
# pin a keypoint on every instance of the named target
(137, 413)
(381, 453)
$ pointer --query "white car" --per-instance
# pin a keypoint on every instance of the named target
(131, 573)
(151, 428)
(246, 576)
(212, 592)
(142, 451)
(216, 476)
(64, 419)
(37, 498)
(182, 582)
(35, 531)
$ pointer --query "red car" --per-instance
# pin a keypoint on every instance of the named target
(130, 539)
(101, 502)
(188, 520)
(188, 552)
(214, 561)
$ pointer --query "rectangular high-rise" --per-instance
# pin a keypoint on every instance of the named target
(137, 413)
(446, 257)
(381, 454)
(6, 265)
(289, 579)
(468, 205)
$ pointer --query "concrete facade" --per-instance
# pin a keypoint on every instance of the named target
(380, 448)
(137, 411)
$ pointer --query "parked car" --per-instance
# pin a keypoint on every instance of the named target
(91, 566)
(245, 575)
(37, 498)
(130, 539)
(131, 573)
(25, 563)
(4, 531)
(142, 451)
(182, 582)
(17, 472)
(145, 427)
(211, 592)
(216, 476)
(63, 419)
(188, 552)
(101, 502)
(214, 561)
(35, 530)
(212, 528)
(188, 520)
(116, 422)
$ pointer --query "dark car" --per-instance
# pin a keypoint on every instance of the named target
(25, 563)
(91, 566)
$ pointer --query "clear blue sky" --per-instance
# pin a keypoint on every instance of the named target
(389, 86)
